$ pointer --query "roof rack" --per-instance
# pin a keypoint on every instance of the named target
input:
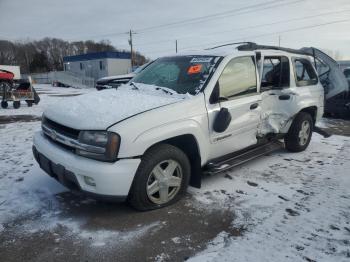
(237, 43)
(253, 46)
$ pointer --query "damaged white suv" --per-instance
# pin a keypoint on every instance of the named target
(184, 115)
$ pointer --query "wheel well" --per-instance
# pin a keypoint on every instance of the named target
(188, 144)
(312, 110)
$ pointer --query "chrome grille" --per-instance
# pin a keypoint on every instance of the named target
(66, 136)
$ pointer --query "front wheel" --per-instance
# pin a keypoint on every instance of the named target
(299, 134)
(161, 179)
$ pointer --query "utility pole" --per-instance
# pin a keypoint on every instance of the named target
(131, 48)
(279, 41)
(176, 45)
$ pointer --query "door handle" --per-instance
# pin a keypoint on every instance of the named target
(254, 106)
(284, 97)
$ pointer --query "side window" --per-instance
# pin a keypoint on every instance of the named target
(305, 74)
(238, 78)
(276, 73)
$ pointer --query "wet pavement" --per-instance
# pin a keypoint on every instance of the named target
(179, 231)
(7, 119)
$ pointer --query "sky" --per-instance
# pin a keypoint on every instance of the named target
(195, 24)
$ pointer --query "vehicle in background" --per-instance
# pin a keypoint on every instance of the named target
(15, 70)
(115, 81)
(339, 105)
(21, 90)
(185, 115)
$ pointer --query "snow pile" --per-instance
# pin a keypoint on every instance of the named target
(289, 207)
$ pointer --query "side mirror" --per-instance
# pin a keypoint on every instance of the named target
(222, 120)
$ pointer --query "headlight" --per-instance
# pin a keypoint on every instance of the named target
(99, 145)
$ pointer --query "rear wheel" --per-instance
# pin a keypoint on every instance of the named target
(299, 134)
(29, 103)
(16, 104)
(161, 179)
(4, 104)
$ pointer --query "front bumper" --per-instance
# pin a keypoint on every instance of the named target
(111, 180)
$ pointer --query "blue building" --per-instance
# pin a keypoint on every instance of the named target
(97, 65)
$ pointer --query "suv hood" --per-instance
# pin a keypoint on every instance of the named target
(108, 78)
(100, 109)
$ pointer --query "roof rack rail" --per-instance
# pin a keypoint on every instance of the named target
(250, 46)
(237, 43)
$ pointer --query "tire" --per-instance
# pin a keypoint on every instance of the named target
(300, 133)
(4, 104)
(16, 104)
(29, 103)
(159, 157)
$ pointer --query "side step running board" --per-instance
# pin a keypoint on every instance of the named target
(220, 166)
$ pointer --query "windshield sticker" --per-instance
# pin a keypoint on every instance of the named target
(194, 69)
(201, 60)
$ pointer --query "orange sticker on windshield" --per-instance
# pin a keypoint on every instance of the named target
(194, 69)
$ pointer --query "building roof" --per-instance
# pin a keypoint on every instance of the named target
(98, 55)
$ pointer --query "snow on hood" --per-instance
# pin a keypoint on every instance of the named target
(131, 75)
(101, 109)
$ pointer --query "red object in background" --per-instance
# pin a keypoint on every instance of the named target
(194, 69)
(6, 75)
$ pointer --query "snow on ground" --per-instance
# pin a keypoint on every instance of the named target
(289, 207)
(48, 96)
(26, 191)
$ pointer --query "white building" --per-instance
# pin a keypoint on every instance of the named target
(97, 65)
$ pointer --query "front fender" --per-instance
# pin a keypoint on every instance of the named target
(152, 136)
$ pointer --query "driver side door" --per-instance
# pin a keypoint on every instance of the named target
(238, 93)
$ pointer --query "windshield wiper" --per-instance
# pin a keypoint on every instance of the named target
(167, 91)
(134, 86)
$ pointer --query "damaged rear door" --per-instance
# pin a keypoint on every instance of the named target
(288, 85)
(330, 75)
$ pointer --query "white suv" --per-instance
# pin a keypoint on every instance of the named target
(184, 115)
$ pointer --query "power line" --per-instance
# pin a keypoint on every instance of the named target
(236, 11)
(281, 32)
(257, 26)
(258, 36)
(255, 7)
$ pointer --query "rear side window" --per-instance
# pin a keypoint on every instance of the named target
(275, 73)
(305, 74)
(238, 78)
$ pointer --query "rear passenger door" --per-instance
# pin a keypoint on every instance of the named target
(285, 85)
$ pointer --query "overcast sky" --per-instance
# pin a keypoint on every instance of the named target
(195, 23)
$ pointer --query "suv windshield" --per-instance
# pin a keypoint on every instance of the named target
(183, 74)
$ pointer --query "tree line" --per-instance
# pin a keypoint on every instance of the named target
(47, 54)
